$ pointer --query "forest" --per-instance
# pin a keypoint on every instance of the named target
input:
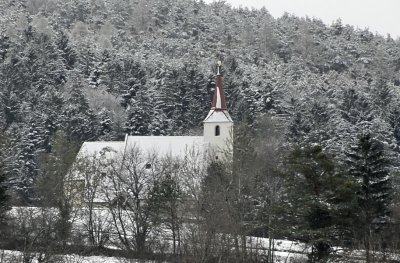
(316, 110)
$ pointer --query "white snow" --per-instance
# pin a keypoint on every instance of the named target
(284, 250)
(218, 116)
(17, 256)
(98, 148)
(172, 146)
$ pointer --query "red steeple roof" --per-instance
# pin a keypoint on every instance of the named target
(218, 101)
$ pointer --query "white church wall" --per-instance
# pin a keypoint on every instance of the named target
(219, 145)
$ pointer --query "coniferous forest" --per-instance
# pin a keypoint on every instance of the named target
(316, 110)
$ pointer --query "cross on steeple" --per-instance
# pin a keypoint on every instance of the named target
(219, 64)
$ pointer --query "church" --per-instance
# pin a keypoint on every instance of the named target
(216, 141)
(108, 164)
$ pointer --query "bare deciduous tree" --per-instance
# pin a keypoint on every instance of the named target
(90, 171)
(129, 193)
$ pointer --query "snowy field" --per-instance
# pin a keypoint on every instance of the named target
(285, 252)
(8, 256)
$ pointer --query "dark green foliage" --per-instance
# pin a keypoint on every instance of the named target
(320, 200)
(139, 114)
(312, 167)
(4, 185)
(67, 53)
(219, 199)
(123, 75)
(54, 167)
(4, 197)
(106, 126)
(183, 98)
(369, 167)
(167, 191)
(79, 122)
(51, 184)
(167, 199)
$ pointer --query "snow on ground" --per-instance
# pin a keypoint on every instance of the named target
(284, 250)
(279, 245)
(10, 256)
(286, 257)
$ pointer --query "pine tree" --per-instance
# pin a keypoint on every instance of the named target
(319, 200)
(79, 121)
(4, 201)
(167, 194)
(68, 54)
(138, 115)
(196, 101)
(219, 197)
(370, 169)
(174, 99)
(299, 125)
(26, 144)
(122, 75)
(4, 197)
(106, 132)
(50, 185)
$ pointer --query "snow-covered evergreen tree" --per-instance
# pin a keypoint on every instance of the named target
(369, 168)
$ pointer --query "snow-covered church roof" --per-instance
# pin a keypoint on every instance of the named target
(174, 146)
(163, 146)
(218, 116)
(108, 149)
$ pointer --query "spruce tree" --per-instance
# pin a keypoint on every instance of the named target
(78, 120)
(67, 52)
(4, 197)
(319, 200)
(4, 202)
(139, 115)
(369, 168)
(308, 209)
(51, 184)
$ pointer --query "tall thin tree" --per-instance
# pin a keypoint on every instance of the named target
(370, 169)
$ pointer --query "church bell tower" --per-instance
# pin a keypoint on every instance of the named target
(218, 125)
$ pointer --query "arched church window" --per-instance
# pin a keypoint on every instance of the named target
(217, 130)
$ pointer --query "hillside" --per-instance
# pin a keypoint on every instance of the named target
(98, 69)
(316, 147)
